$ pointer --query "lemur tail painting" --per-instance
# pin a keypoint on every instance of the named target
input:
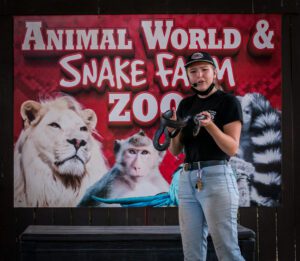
(89, 92)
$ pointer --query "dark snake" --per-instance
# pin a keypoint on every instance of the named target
(165, 121)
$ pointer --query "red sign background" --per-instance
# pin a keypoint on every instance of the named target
(37, 74)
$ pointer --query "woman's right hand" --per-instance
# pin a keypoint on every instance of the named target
(173, 118)
(176, 145)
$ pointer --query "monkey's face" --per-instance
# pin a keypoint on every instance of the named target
(139, 161)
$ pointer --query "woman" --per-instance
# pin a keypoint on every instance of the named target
(208, 193)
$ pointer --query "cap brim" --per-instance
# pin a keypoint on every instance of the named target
(200, 60)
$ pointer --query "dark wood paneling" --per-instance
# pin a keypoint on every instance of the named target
(54, 7)
(61, 216)
(136, 216)
(295, 21)
(171, 216)
(286, 213)
(296, 72)
(6, 101)
(118, 216)
(177, 6)
(2, 8)
(23, 218)
(8, 235)
(248, 218)
(100, 216)
(274, 6)
(80, 216)
(43, 216)
(155, 216)
(267, 233)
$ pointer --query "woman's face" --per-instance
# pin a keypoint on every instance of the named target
(201, 73)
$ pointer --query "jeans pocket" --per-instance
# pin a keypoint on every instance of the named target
(184, 189)
(234, 183)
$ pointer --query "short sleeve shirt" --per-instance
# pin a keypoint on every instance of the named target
(223, 107)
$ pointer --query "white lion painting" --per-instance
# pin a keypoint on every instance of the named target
(56, 157)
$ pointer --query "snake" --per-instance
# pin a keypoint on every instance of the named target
(165, 121)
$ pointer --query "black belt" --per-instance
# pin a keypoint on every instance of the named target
(203, 164)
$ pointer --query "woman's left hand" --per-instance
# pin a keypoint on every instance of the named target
(207, 121)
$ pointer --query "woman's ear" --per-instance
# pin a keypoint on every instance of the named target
(215, 72)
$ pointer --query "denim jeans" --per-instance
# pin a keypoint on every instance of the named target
(214, 209)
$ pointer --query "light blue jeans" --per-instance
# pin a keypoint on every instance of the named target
(213, 209)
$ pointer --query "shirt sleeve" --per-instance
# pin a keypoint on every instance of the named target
(231, 110)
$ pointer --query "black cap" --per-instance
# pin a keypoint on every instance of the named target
(199, 57)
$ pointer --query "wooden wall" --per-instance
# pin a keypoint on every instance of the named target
(277, 228)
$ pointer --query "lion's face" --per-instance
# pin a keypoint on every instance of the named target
(62, 137)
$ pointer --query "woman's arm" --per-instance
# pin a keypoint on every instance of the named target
(176, 145)
(228, 140)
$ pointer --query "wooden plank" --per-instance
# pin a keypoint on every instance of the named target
(267, 233)
(136, 216)
(290, 107)
(155, 216)
(19, 7)
(52, 7)
(286, 235)
(23, 218)
(117, 231)
(118, 216)
(3, 6)
(80, 216)
(43, 216)
(94, 239)
(61, 216)
(296, 109)
(177, 6)
(101, 243)
(274, 6)
(100, 216)
(171, 216)
(292, 6)
(248, 219)
(6, 112)
(296, 79)
(8, 234)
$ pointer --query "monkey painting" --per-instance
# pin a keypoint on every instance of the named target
(134, 174)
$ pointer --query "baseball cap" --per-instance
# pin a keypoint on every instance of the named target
(199, 57)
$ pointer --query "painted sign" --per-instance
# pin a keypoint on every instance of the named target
(89, 92)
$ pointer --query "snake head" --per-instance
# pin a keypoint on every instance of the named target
(168, 114)
(199, 117)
